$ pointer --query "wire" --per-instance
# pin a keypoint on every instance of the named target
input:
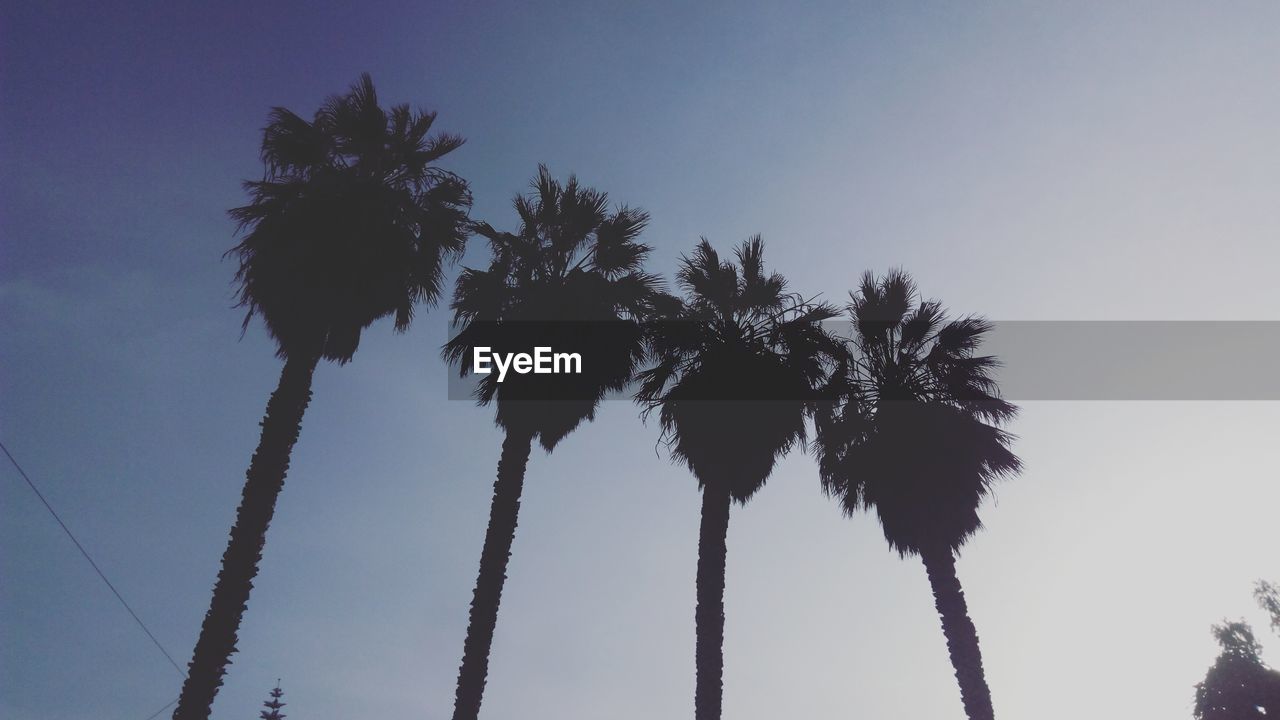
(96, 569)
(157, 713)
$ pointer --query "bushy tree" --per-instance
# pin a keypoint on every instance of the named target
(1239, 686)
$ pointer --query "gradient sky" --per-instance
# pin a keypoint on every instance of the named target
(1093, 161)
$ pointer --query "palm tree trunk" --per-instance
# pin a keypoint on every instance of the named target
(503, 516)
(709, 616)
(962, 636)
(263, 482)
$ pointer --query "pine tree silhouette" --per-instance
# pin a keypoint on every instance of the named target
(273, 705)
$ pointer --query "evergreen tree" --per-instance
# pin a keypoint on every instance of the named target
(273, 705)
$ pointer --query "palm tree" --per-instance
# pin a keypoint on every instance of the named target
(913, 434)
(571, 279)
(735, 368)
(350, 223)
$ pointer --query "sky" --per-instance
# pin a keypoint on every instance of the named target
(1088, 161)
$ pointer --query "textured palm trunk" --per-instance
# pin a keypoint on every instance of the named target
(263, 482)
(962, 636)
(709, 616)
(503, 516)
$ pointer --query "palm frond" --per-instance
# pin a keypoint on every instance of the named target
(963, 336)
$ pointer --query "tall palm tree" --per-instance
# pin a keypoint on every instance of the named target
(914, 434)
(571, 278)
(351, 222)
(735, 367)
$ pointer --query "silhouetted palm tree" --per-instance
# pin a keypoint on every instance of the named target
(351, 223)
(736, 365)
(571, 279)
(914, 435)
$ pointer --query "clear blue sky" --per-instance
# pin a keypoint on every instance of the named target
(1093, 161)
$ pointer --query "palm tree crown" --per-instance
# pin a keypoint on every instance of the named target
(736, 364)
(571, 277)
(913, 433)
(351, 222)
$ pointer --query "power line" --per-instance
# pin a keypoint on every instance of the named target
(96, 569)
(157, 713)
